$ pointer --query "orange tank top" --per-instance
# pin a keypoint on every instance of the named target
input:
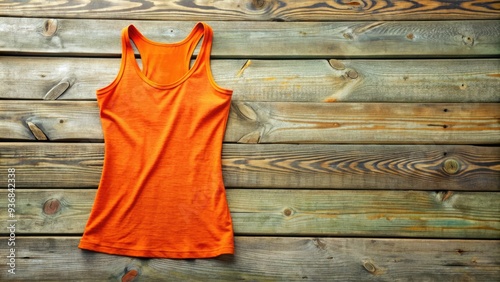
(161, 192)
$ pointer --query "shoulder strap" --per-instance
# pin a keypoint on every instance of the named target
(125, 59)
(201, 32)
(127, 49)
(206, 46)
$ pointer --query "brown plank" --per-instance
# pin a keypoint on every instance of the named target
(417, 167)
(364, 123)
(474, 80)
(268, 259)
(295, 212)
(69, 37)
(281, 122)
(285, 10)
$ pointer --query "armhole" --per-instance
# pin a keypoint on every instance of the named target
(214, 84)
(208, 63)
(107, 89)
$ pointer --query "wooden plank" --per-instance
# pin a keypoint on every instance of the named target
(474, 80)
(362, 167)
(295, 212)
(267, 259)
(69, 37)
(364, 123)
(285, 10)
(417, 167)
(281, 122)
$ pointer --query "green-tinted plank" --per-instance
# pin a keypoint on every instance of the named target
(267, 259)
(295, 212)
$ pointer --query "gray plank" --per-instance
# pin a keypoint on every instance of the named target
(69, 37)
(467, 80)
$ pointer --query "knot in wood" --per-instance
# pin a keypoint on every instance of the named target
(51, 206)
(245, 111)
(320, 244)
(369, 267)
(57, 90)
(49, 27)
(336, 64)
(352, 74)
(356, 4)
(131, 273)
(288, 212)
(37, 132)
(451, 166)
(348, 35)
(258, 4)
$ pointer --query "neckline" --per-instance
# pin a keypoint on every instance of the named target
(189, 37)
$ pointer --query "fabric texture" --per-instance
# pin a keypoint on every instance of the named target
(161, 192)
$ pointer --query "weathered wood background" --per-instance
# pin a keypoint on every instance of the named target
(362, 143)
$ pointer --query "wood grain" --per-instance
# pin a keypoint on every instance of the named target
(281, 122)
(466, 80)
(296, 212)
(252, 10)
(364, 123)
(269, 259)
(72, 37)
(362, 167)
(417, 82)
(417, 167)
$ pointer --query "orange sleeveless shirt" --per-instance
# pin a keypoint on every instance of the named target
(161, 192)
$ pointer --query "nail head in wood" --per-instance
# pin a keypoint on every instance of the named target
(468, 40)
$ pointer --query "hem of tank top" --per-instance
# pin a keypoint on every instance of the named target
(89, 246)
